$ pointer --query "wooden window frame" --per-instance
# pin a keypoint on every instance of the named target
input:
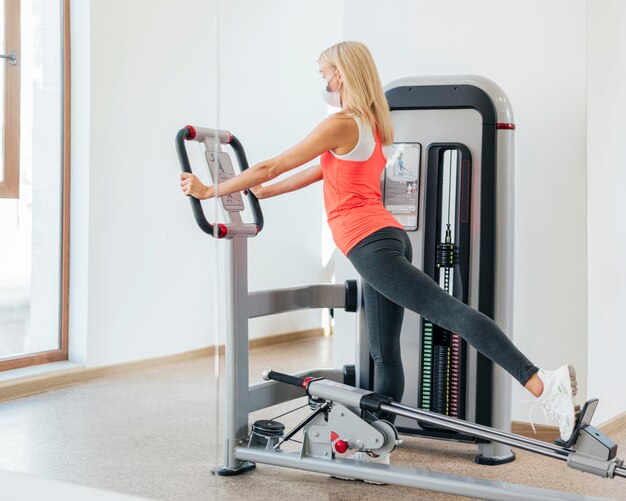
(10, 184)
(62, 353)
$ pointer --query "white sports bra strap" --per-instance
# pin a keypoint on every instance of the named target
(364, 146)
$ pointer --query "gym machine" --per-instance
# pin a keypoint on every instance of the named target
(449, 182)
(342, 419)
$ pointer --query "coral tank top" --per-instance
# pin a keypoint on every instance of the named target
(353, 199)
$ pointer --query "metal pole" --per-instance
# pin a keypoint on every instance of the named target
(236, 424)
(478, 431)
(475, 426)
(230, 424)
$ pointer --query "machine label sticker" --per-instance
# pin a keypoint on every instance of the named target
(401, 183)
(225, 171)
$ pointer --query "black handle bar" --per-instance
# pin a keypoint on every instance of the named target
(269, 374)
(188, 133)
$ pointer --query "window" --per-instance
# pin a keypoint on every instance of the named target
(34, 188)
(10, 100)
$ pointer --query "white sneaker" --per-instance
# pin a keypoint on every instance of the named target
(368, 457)
(559, 390)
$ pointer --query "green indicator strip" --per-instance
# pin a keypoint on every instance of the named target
(427, 363)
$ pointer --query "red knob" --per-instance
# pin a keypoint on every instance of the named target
(341, 446)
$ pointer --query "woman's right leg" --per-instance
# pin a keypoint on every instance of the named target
(381, 260)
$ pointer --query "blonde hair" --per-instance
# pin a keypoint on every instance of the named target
(363, 94)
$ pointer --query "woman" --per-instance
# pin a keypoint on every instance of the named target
(350, 144)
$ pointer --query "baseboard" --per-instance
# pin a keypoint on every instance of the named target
(544, 432)
(283, 338)
(614, 425)
(551, 433)
(23, 387)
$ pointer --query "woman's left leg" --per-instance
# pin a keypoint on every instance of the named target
(384, 324)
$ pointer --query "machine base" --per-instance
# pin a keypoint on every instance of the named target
(494, 461)
(225, 471)
(408, 477)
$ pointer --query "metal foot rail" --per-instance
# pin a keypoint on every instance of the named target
(593, 453)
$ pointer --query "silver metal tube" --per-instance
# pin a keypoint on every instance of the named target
(203, 133)
(620, 472)
(236, 424)
(538, 447)
(478, 427)
(250, 230)
(262, 303)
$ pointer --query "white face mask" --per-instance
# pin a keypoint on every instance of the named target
(332, 97)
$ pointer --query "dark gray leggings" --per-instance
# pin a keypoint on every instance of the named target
(392, 283)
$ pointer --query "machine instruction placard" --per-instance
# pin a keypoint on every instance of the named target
(401, 183)
(232, 202)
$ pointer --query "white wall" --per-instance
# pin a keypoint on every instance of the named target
(606, 178)
(138, 256)
(536, 52)
(139, 279)
(140, 267)
(270, 97)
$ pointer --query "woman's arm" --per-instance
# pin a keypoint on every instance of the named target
(334, 132)
(292, 183)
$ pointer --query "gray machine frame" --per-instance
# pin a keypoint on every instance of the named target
(241, 453)
(474, 113)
